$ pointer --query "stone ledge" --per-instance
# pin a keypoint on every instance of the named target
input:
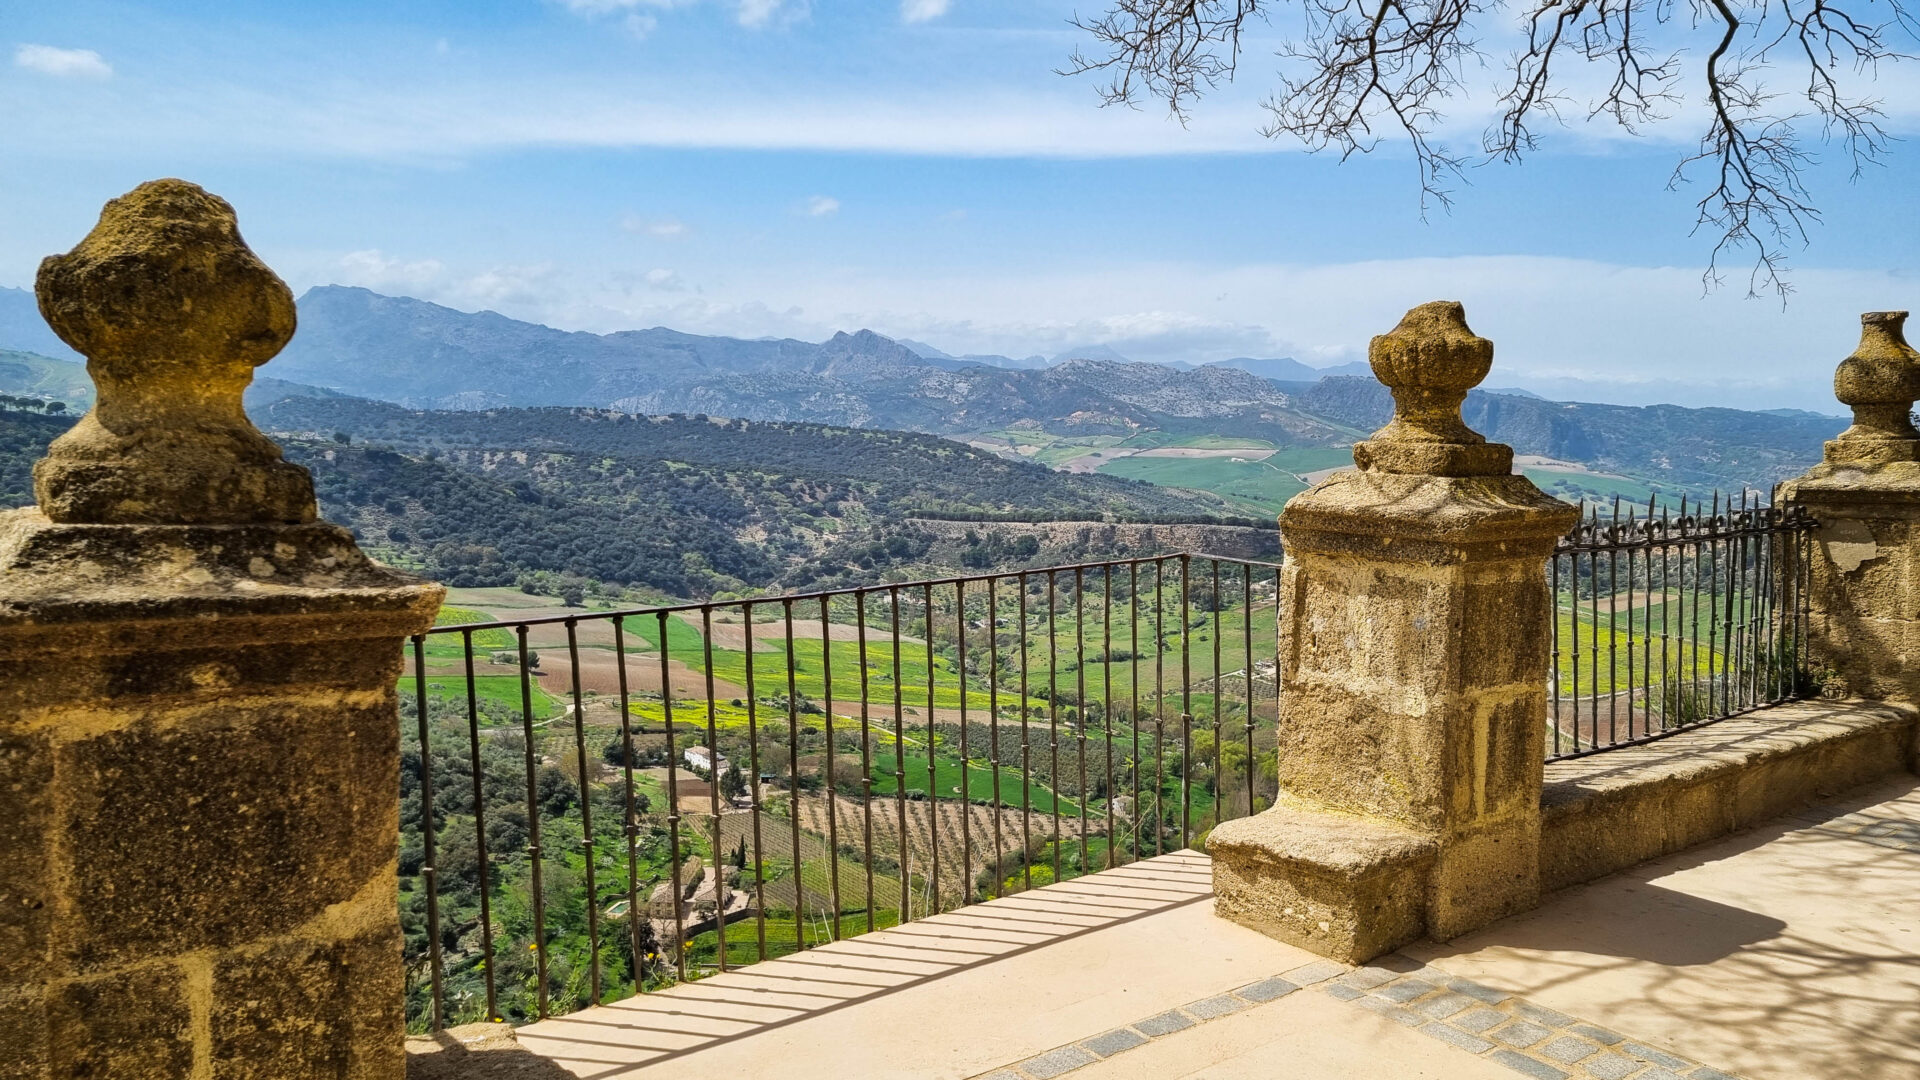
(137, 588)
(1340, 885)
(1604, 813)
(1291, 833)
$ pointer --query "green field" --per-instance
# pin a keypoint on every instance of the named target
(743, 937)
(1253, 485)
(501, 689)
(1260, 486)
(946, 782)
(1618, 647)
(1153, 440)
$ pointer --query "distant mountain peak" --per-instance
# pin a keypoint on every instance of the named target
(22, 328)
(1091, 352)
(422, 355)
(927, 351)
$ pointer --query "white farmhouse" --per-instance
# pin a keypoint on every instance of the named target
(705, 759)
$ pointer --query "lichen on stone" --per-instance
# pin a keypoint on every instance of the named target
(173, 312)
(1430, 361)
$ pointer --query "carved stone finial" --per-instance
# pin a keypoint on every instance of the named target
(1430, 361)
(173, 312)
(1880, 381)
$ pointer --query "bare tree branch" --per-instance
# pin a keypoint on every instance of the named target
(1171, 49)
(1350, 65)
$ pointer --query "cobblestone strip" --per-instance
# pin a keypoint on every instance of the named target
(1064, 1059)
(1532, 1041)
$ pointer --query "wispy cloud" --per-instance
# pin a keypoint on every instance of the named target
(1680, 347)
(612, 7)
(758, 13)
(376, 270)
(63, 63)
(918, 11)
(822, 206)
(658, 228)
(749, 13)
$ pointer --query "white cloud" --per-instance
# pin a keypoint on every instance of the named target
(374, 270)
(612, 7)
(505, 287)
(918, 11)
(658, 228)
(749, 13)
(63, 63)
(1554, 321)
(1550, 318)
(757, 13)
(822, 206)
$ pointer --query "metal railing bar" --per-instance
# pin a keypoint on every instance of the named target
(673, 797)
(436, 965)
(586, 813)
(534, 857)
(480, 826)
(713, 794)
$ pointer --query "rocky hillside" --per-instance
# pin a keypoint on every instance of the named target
(682, 507)
(425, 356)
(1711, 448)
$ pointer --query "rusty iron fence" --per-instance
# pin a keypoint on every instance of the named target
(602, 803)
(1666, 619)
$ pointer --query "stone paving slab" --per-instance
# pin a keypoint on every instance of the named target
(1785, 953)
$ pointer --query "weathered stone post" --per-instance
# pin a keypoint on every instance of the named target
(1415, 640)
(1863, 569)
(198, 737)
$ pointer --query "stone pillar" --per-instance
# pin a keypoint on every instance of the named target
(1415, 644)
(1863, 572)
(199, 746)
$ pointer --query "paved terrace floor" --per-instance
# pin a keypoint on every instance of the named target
(1791, 952)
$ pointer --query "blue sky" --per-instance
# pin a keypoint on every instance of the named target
(759, 167)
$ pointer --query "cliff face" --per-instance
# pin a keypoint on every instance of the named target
(1070, 541)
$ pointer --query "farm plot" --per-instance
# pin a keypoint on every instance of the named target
(964, 850)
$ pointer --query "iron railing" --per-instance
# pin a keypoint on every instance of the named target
(1667, 620)
(672, 791)
(597, 804)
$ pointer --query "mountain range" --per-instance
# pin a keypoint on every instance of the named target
(424, 356)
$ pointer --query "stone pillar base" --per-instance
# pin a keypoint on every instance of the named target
(1414, 635)
(1343, 886)
(1863, 640)
(198, 787)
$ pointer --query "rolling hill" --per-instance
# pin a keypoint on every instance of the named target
(680, 506)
